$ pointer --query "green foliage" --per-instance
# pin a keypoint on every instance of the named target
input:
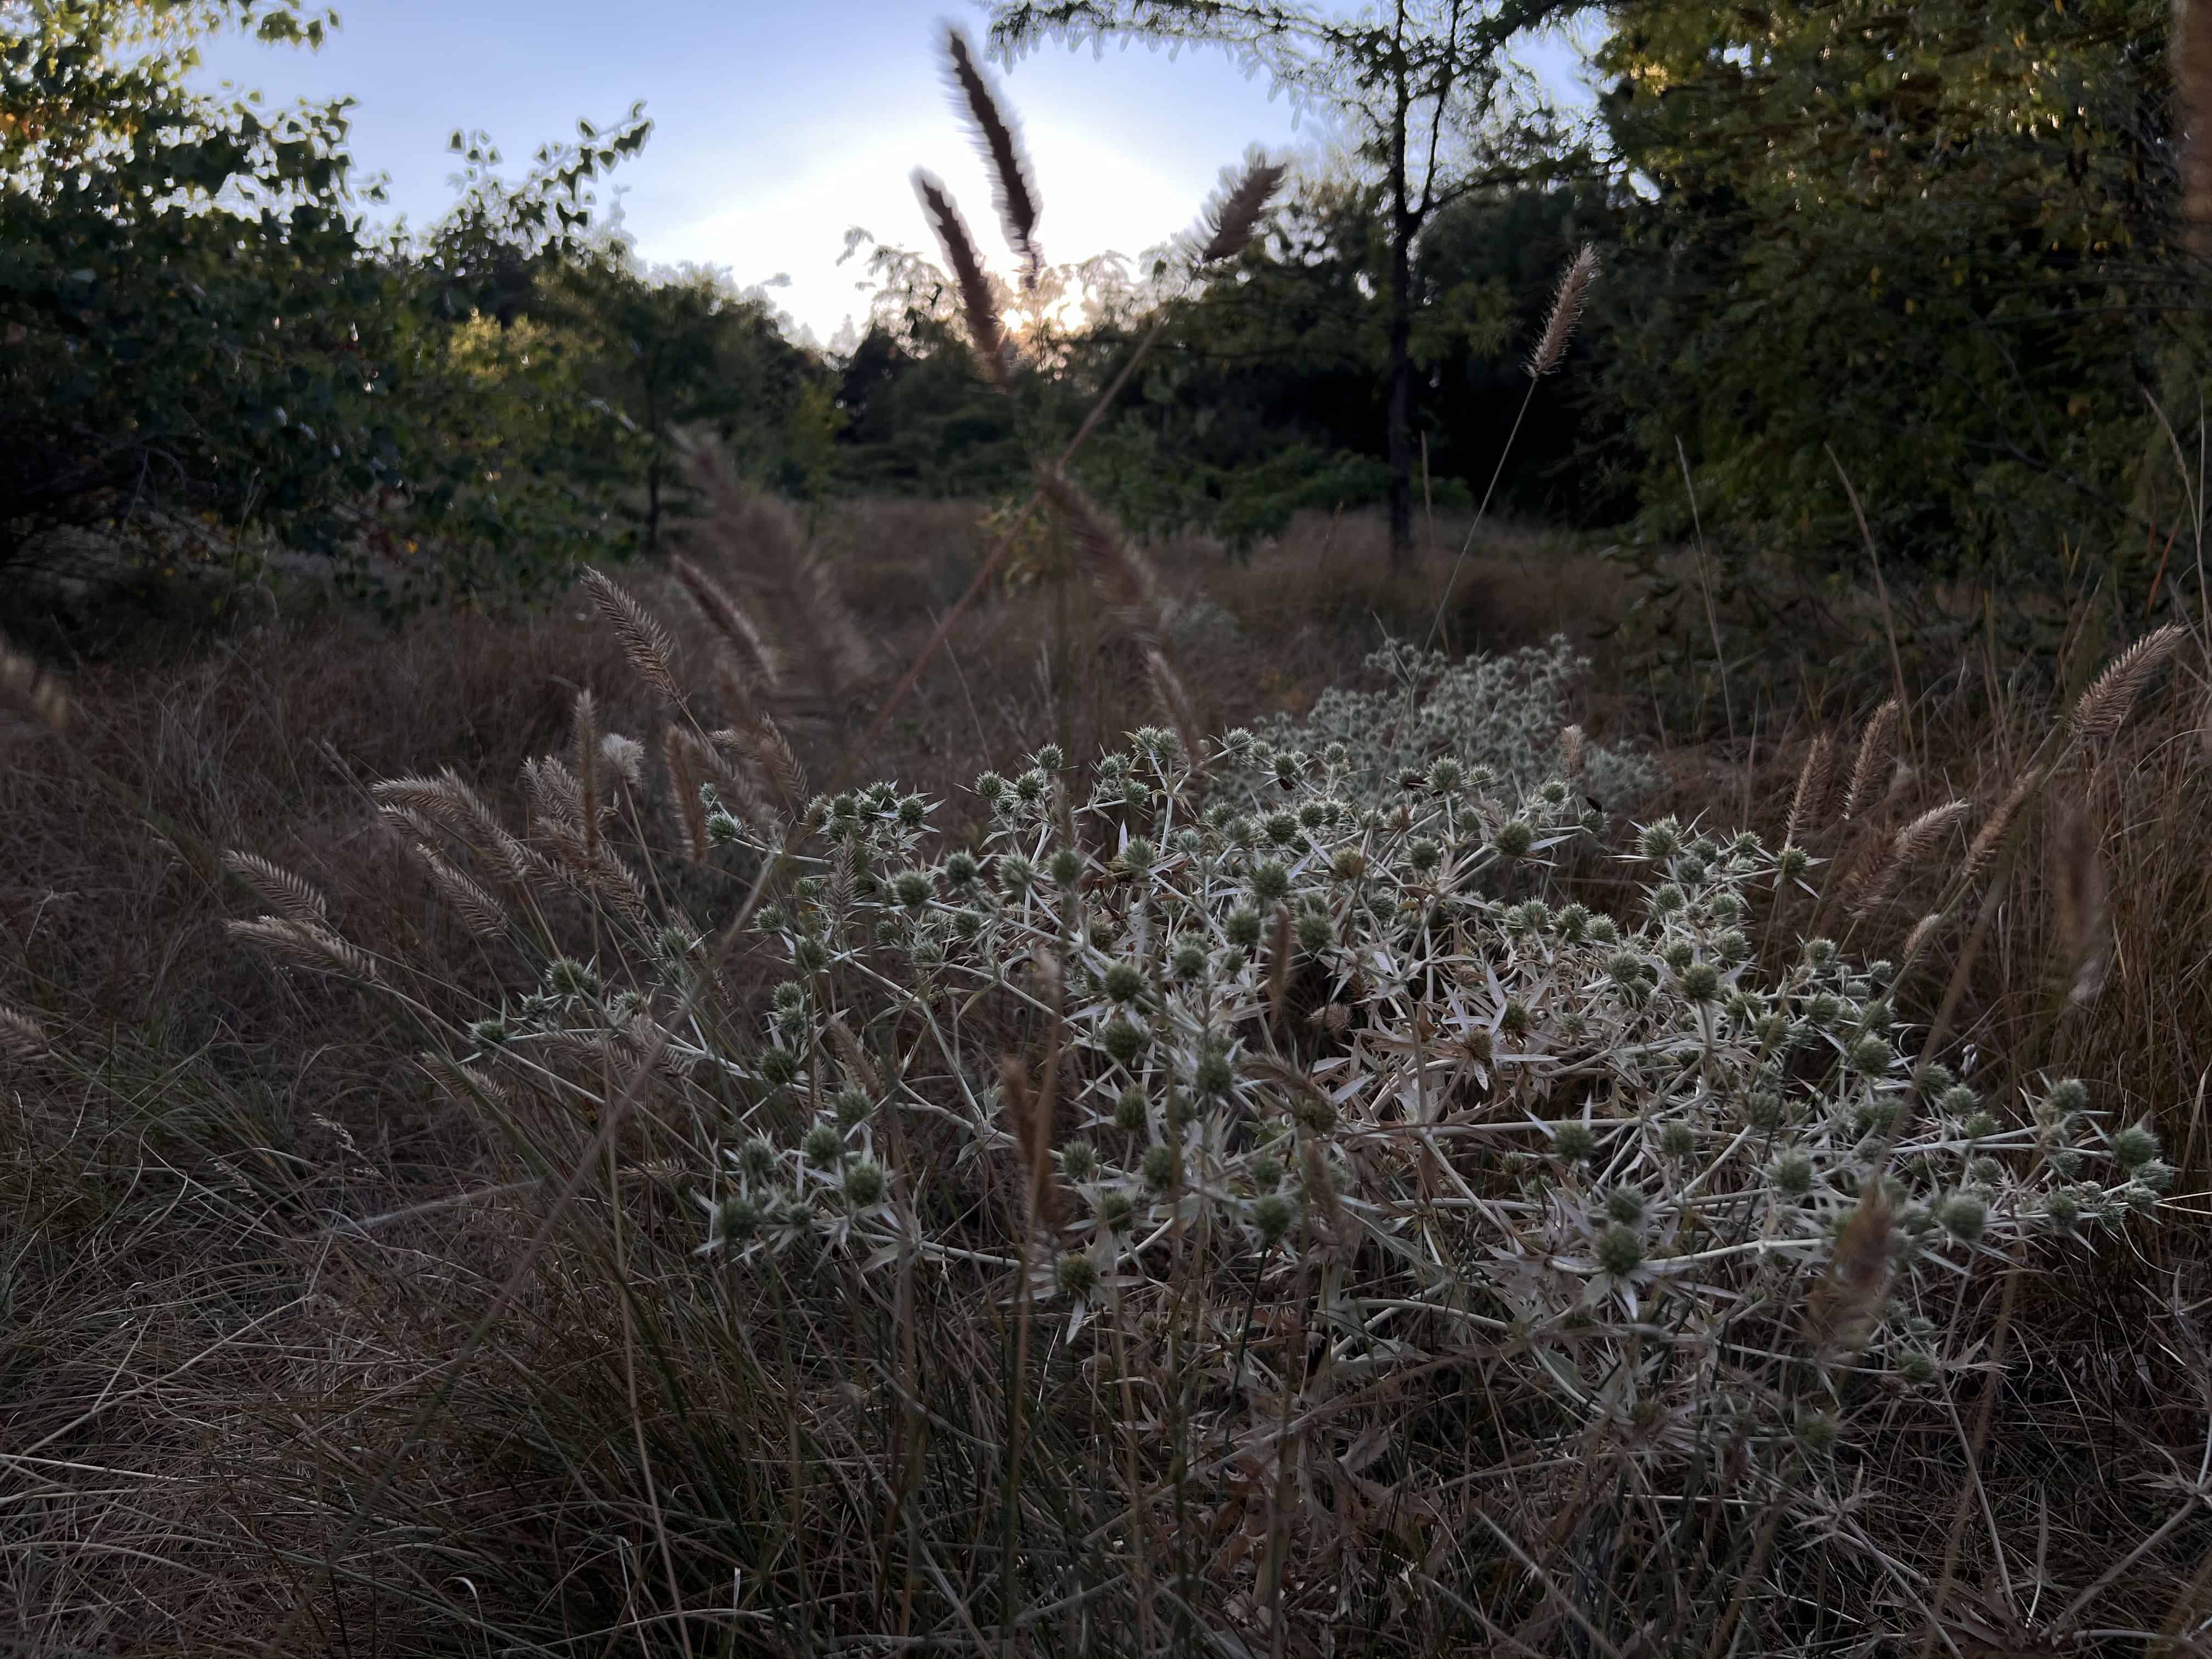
(1929, 238)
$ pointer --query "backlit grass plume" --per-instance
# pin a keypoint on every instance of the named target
(1013, 194)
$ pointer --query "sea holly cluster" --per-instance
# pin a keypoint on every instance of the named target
(1510, 712)
(1378, 1058)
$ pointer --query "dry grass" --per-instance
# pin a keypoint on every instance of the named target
(239, 1279)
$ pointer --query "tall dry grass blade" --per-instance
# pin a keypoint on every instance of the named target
(29, 690)
(477, 908)
(2101, 710)
(648, 645)
(1909, 847)
(752, 653)
(1012, 194)
(1992, 833)
(1874, 759)
(20, 1035)
(2079, 886)
(1231, 222)
(978, 304)
(1174, 699)
(1044, 1204)
(1814, 778)
(291, 895)
(680, 752)
(1841, 1311)
(587, 770)
(1108, 560)
(306, 947)
(1567, 302)
(785, 619)
(760, 743)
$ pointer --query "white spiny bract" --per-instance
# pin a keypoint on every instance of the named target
(1502, 713)
(1462, 1109)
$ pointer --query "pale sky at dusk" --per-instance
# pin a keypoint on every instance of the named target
(775, 126)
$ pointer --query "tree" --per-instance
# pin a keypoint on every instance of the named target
(1422, 83)
(197, 322)
(1935, 240)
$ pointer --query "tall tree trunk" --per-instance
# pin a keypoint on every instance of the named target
(1402, 227)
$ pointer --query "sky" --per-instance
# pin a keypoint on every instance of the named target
(776, 126)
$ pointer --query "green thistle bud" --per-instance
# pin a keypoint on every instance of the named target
(1116, 1210)
(1678, 1140)
(2063, 1208)
(1573, 1141)
(809, 955)
(1270, 882)
(863, 1184)
(853, 1107)
(778, 1067)
(1817, 1432)
(488, 1033)
(737, 1219)
(723, 830)
(1052, 758)
(2134, 1144)
(1916, 1368)
(1123, 981)
(1668, 898)
(1514, 1019)
(1964, 1217)
(1516, 839)
(789, 996)
(1316, 933)
(1077, 1275)
(1244, 927)
(824, 1146)
(1626, 969)
(1792, 1174)
(1079, 1162)
(1871, 1055)
(1214, 1074)
(1732, 946)
(1031, 785)
(1067, 867)
(1424, 855)
(2156, 1176)
(1689, 870)
(1679, 955)
(1161, 1167)
(1267, 1171)
(913, 888)
(990, 786)
(2071, 1095)
(1348, 864)
(757, 1159)
(1619, 1251)
(1129, 1114)
(1122, 1040)
(913, 811)
(566, 977)
(1138, 856)
(1659, 840)
(961, 870)
(1015, 874)
(1879, 1116)
(1822, 1010)
(1603, 930)
(1624, 1204)
(1273, 1214)
(1188, 959)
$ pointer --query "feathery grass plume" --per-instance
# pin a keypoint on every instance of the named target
(1873, 757)
(2078, 882)
(1983, 846)
(776, 601)
(448, 802)
(1174, 699)
(1566, 311)
(760, 743)
(863, 1069)
(1324, 1206)
(977, 302)
(1231, 221)
(1911, 847)
(648, 645)
(624, 756)
(1574, 744)
(1814, 778)
(1923, 931)
(555, 795)
(467, 1086)
(752, 654)
(1012, 193)
(1108, 559)
(20, 1035)
(289, 895)
(680, 750)
(1033, 1140)
(587, 770)
(306, 947)
(1841, 1311)
(2101, 710)
(31, 690)
(470, 901)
